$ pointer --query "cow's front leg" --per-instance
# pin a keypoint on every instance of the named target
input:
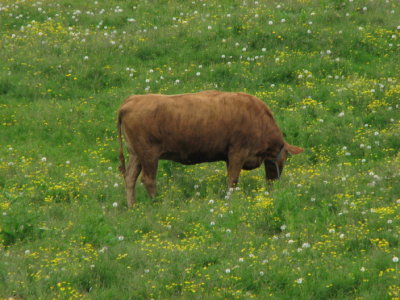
(234, 166)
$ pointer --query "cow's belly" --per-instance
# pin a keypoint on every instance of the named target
(252, 163)
(193, 158)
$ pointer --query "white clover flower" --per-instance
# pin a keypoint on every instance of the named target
(115, 204)
(299, 280)
(115, 185)
(120, 238)
(227, 271)
(102, 250)
(270, 22)
(395, 259)
(241, 259)
(362, 269)
(306, 245)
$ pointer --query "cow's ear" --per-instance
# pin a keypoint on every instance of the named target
(293, 149)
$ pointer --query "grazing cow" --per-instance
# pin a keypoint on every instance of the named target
(193, 128)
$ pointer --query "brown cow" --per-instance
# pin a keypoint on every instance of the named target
(193, 128)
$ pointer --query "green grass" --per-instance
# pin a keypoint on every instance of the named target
(329, 229)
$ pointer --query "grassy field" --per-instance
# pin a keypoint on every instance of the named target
(329, 229)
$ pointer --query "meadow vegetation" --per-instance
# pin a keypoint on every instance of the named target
(329, 229)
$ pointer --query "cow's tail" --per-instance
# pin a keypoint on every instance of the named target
(121, 147)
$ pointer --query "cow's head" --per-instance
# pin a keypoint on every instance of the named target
(274, 165)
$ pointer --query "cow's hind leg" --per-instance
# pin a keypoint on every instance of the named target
(131, 176)
(149, 175)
